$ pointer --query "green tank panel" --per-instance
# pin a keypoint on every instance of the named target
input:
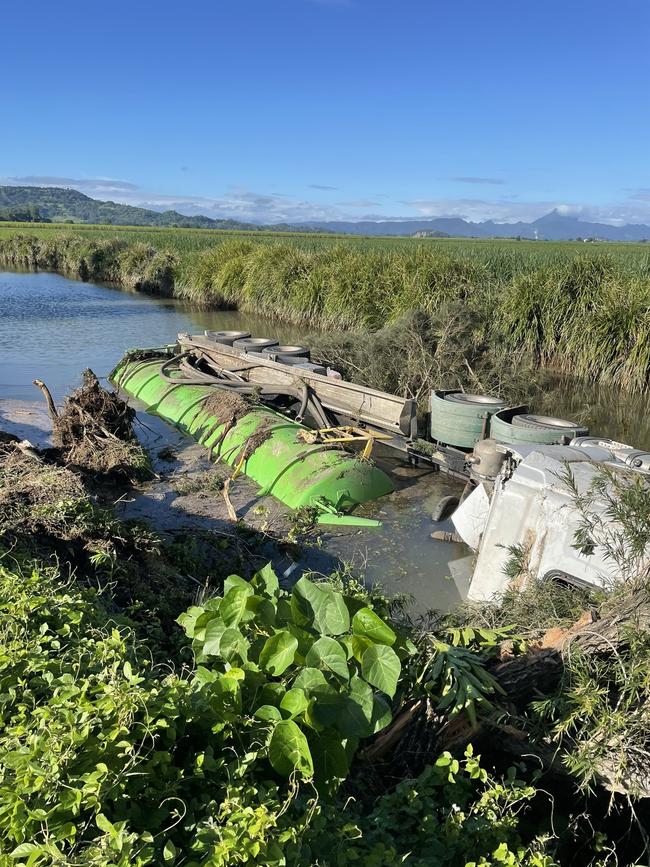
(263, 441)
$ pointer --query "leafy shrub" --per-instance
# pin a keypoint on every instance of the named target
(109, 760)
(453, 814)
(313, 668)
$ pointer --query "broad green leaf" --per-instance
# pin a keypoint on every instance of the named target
(366, 623)
(404, 647)
(278, 652)
(346, 641)
(213, 632)
(187, 619)
(312, 681)
(294, 702)
(328, 655)
(233, 604)
(202, 621)
(24, 850)
(381, 667)
(289, 750)
(272, 693)
(381, 714)
(359, 646)
(337, 616)
(169, 852)
(308, 604)
(284, 611)
(234, 581)
(311, 716)
(354, 719)
(104, 824)
(322, 608)
(305, 639)
(259, 609)
(226, 693)
(327, 709)
(329, 757)
(205, 675)
(266, 581)
(268, 713)
(233, 644)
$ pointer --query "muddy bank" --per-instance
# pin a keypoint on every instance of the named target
(184, 497)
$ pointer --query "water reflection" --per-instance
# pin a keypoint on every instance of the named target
(51, 328)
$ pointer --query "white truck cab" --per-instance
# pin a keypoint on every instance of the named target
(523, 500)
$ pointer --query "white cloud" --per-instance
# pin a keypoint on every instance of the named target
(359, 203)
(509, 211)
(90, 186)
(250, 206)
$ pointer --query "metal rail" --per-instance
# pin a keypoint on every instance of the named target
(362, 405)
(346, 402)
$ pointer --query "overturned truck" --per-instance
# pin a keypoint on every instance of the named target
(306, 436)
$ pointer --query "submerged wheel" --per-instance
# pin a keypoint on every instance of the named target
(444, 508)
(544, 422)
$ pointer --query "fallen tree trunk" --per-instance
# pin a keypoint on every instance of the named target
(419, 732)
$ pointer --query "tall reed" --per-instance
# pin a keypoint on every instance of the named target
(569, 309)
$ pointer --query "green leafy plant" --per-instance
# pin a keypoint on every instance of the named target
(313, 670)
(456, 677)
(455, 813)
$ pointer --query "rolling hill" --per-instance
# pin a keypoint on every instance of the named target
(56, 204)
(60, 205)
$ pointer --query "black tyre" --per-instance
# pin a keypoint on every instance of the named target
(255, 344)
(290, 351)
(227, 337)
(444, 508)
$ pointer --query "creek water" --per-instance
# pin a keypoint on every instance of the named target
(51, 328)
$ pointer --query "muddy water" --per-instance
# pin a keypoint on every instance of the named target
(51, 328)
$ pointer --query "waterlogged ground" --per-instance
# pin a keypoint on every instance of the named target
(400, 555)
(51, 328)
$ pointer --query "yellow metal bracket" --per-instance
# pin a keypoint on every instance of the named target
(347, 434)
(239, 467)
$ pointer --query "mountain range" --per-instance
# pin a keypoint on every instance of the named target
(56, 204)
(551, 227)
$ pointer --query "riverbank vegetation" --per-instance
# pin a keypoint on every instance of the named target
(152, 717)
(522, 305)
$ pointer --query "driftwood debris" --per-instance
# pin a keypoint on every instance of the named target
(94, 430)
(419, 732)
(232, 514)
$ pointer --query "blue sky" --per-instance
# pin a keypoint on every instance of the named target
(308, 109)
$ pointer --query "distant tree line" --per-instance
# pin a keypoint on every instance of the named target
(27, 214)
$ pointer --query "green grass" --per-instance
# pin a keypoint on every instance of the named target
(575, 308)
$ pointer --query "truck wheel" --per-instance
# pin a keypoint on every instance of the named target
(255, 344)
(473, 399)
(444, 508)
(544, 422)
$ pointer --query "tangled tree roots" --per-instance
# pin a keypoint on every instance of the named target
(94, 431)
(29, 490)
